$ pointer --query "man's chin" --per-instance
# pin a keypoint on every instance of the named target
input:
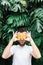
(22, 44)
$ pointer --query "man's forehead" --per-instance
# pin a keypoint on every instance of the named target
(21, 32)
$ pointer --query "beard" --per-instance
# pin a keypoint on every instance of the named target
(21, 44)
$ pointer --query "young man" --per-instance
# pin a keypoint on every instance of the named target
(22, 54)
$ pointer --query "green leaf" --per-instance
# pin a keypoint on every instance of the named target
(36, 1)
(1, 14)
(5, 2)
(10, 30)
(0, 29)
(5, 27)
(39, 26)
(36, 17)
(10, 20)
(1, 49)
(38, 41)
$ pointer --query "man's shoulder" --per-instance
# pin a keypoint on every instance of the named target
(14, 46)
(28, 46)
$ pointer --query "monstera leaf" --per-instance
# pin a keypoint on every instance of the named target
(18, 5)
(5, 2)
(18, 20)
(37, 18)
(10, 20)
(1, 14)
(36, 1)
(38, 41)
(0, 29)
(13, 21)
(39, 26)
(14, 5)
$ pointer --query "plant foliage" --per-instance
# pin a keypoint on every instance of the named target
(27, 14)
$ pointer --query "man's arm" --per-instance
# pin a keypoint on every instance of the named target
(35, 51)
(6, 54)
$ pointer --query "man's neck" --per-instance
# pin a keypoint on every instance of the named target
(22, 45)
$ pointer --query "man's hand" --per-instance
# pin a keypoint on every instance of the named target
(35, 54)
(29, 38)
(14, 38)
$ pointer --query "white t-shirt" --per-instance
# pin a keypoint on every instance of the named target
(22, 55)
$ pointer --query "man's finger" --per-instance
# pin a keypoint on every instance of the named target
(30, 32)
(16, 32)
(13, 32)
(27, 31)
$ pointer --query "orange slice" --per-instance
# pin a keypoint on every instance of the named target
(23, 36)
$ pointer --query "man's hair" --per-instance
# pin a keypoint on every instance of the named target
(21, 30)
